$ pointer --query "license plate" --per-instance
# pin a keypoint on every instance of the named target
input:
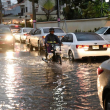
(95, 47)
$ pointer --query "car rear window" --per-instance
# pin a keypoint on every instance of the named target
(101, 30)
(87, 37)
(57, 30)
(27, 30)
(4, 30)
(15, 27)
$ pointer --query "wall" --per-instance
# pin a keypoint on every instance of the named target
(72, 25)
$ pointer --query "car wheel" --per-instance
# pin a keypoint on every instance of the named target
(71, 58)
(20, 41)
(31, 47)
(39, 46)
(27, 45)
(24, 41)
(107, 102)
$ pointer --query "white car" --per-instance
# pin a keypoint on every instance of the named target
(21, 35)
(104, 32)
(79, 45)
(103, 84)
(36, 37)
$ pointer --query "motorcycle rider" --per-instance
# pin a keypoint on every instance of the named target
(51, 38)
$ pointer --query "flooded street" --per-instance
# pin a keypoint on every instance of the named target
(28, 83)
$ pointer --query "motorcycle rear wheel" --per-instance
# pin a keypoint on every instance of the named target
(59, 60)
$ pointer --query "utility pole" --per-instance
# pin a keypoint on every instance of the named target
(58, 13)
(0, 12)
(34, 14)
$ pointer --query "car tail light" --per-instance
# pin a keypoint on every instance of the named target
(16, 26)
(43, 37)
(99, 71)
(86, 46)
(82, 46)
(79, 46)
(105, 46)
(108, 45)
(25, 34)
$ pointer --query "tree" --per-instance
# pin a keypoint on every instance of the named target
(73, 9)
(96, 9)
(47, 6)
(19, 1)
(36, 1)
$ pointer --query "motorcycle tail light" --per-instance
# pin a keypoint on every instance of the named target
(99, 71)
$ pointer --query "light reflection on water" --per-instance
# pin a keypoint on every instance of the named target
(9, 55)
(32, 84)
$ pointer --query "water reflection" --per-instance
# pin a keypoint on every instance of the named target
(9, 55)
(10, 83)
(55, 82)
(19, 47)
(31, 84)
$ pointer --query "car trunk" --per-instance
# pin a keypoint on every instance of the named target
(94, 45)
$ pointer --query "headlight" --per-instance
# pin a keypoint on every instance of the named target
(57, 48)
(9, 37)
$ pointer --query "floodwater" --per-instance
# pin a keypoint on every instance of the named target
(28, 83)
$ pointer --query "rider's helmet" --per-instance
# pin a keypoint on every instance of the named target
(51, 29)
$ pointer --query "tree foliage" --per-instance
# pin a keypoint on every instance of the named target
(76, 9)
(35, 1)
(19, 1)
(47, 6)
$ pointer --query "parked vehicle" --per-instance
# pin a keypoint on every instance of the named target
(14, 27)
(21, 35)
(103, 84)
(104, 32)
(6, 38)
(79, 45)
(36, 37)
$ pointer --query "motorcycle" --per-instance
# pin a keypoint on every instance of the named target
(55, 55)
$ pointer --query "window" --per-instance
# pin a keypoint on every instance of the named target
(26, 9)
(27, 30)
(65, 38)
(57, 30)
(88, 37)
(70, 39)
(37, 32)
(101, 30)
(108, 31)
(4, 30)
(32, 31)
